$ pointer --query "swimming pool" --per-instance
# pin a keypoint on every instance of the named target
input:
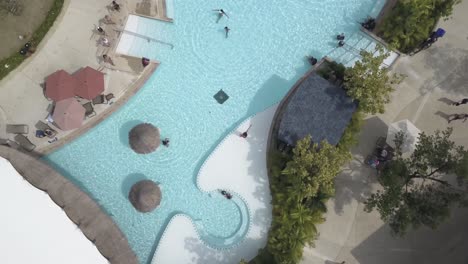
(256, 65)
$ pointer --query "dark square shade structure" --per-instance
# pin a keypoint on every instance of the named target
(317, 108)
(221, 97)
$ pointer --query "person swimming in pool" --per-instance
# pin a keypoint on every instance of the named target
(221, 13)
(340, 36)
(226, 194)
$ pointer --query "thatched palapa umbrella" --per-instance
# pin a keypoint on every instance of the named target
(145, 196)
(144, 138)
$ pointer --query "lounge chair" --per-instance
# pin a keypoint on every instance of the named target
(43, 126)
(17, 129)
(24, 142)
(100, 99)
(89, 109)
(109, 97)
(4, 141)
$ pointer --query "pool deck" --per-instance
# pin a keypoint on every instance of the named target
(237, 165)
(71, 43)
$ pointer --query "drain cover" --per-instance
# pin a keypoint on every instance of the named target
(221, 96)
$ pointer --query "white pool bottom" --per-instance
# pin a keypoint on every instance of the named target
(33, 229)
(239, 166)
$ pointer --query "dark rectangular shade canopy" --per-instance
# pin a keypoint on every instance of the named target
(317, 108)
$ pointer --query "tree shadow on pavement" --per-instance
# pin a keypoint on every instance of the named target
(450, 66)
(446, 244)
(355, 181)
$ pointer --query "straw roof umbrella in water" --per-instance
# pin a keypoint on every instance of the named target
(145, 196)
(144, 138)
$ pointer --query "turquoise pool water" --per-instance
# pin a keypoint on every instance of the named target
(262, 58)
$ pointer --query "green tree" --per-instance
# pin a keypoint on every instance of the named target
(420, 190)
(370, 84)
(299, 194)
(313, 168)
(411, 21)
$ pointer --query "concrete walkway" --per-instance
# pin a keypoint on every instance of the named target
(73, 42)
(435, 77)
(237, 165)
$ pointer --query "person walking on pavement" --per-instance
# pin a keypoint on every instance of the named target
(463, 101)
(457, 117)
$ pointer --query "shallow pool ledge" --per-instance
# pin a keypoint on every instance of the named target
(237, 165)
(95, 224)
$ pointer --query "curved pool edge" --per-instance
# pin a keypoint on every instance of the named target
(82, 210)
(182, 231)
(120, 102)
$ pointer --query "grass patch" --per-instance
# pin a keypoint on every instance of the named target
(16, 59)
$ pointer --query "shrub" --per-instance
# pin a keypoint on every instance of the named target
(368, 83)
(349, 137)
(301, 184)
(411, 22)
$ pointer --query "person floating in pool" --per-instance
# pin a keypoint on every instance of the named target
(340, 36)
(221, 13)
(226, 29)
(341, 43)
(245, 133)
(166, 142)
(226, 194)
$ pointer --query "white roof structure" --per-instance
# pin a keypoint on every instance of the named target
(33, 229)
(410, 131)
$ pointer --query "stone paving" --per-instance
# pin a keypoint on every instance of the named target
(436, 78)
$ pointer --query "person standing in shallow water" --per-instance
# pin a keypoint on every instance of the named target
(226, 29)
(245, 134)
(221, 13)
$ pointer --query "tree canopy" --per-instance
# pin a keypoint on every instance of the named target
(421, 189)
(370, 84)
(300, 190)
(412, 21)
